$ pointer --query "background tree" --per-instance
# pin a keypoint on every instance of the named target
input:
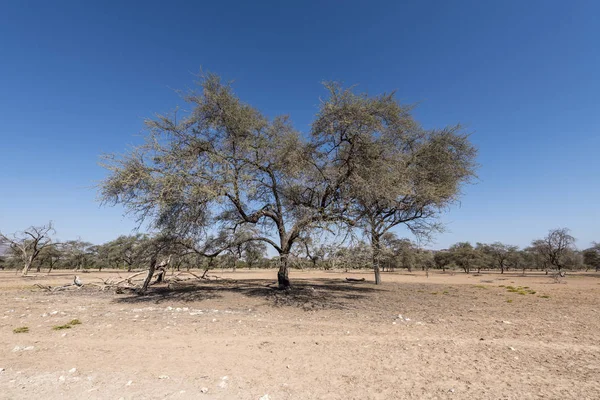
(254, 252)
(591, 256)
(556, 248)
(123, 251)
(78, 254)
(49, 256)
(500, 254)
(30, 243)
(442, 259)
(464, 255)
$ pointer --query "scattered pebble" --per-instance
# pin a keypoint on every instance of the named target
(163, 377)
(512, 348)
(19, 348)
(61, 378)
(204, 390)
(223, 383)
(129, 383)
(451, 390)
(265, 397)
(72, 370)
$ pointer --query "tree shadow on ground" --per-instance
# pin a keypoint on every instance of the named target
(314, 294)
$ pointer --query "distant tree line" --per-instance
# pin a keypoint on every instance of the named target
(556, 251)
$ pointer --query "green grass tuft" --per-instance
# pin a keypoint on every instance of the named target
(509, 301)
(23, 329)
(61, 327)
(69, 325)
(545, 297)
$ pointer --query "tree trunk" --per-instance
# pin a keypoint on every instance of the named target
(375, 245)
(149, 276)
(501, 269)
(27, 266)
(39, 268)
(283, 274)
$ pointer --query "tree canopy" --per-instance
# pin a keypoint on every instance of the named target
(225, 170)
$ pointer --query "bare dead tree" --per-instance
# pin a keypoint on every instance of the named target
(30, 243)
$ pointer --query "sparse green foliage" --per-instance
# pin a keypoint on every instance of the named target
(23, 329)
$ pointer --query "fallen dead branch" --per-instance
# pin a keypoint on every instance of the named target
(56, 288)
(355, 279)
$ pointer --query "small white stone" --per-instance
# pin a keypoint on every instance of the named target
(214, 320)
(64, 335)
(28, 348)
(265, 397)
(129, 383)
(72, 370)
(163, 377)
(223, 383)
(204, 390)
(16, 348)
(61, 378)
(2, 370)
(512, 348)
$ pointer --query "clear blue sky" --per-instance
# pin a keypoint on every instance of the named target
(77, 79)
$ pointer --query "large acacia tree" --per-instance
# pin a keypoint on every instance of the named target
(399, 173)
(225, 166)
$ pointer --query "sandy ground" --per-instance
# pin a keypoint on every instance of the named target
(442, 337)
